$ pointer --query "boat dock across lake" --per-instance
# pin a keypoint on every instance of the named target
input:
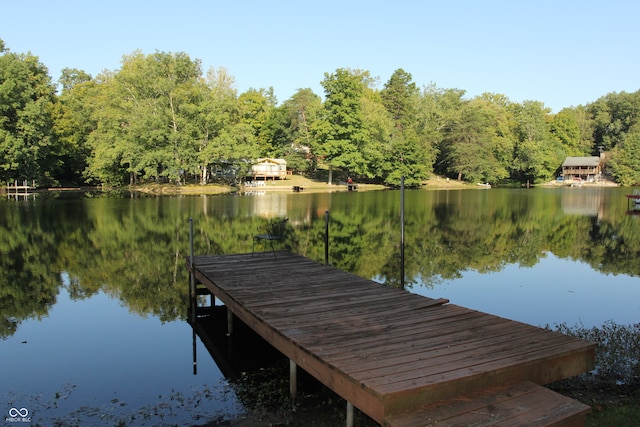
(402, 359)
(20, 190)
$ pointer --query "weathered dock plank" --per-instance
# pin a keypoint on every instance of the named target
(524, 404)
(385, 350)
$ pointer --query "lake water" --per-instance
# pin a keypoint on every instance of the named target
(94, 292)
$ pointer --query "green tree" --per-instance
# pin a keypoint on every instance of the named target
(341, 135)
(625, 157)
(407, 151)
(440, 110)
(73, 123)
(537, 155)
(614, 114)
(503, 123)
(566, 128)
(303, 108)
(255, 110)
(276, 130)
(107, 140)
(226, 138)
(468, 145)
(378, 127)
(399, 98)
(291, 128)
(144, 130)
(70, 77)
(27, 96)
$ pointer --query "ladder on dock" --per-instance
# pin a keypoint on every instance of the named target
(522, 404)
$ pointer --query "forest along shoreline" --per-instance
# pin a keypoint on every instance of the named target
(308, 185)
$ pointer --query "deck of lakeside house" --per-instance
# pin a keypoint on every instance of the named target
(402, 359)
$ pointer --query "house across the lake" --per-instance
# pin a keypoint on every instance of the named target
(588, 169)
(269, 168)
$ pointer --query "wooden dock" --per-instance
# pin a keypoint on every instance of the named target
(402, 359)
(18, 191)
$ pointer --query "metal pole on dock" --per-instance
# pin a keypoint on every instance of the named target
(192, 299)
(402, 232)
(229, 322)
(192, 279)
(191, 242)
(326, 237)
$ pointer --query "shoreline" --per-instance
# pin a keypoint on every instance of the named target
(310, 186)
(306, 185)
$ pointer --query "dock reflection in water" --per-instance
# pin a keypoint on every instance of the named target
(235, 354)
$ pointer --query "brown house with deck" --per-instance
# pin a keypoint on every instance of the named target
(582, 169)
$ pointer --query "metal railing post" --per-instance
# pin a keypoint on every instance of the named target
(192, 279)
(402, 232)
(326, 237)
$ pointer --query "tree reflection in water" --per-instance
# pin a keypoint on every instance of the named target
(134, 248)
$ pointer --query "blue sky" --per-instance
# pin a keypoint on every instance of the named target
(562, 53)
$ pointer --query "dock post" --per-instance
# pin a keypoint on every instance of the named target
(293, 379)
(194, 350)
(349, 421)
(193, 305)
(326, 237)
(229, 322)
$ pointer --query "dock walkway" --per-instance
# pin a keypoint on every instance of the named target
(402, 359)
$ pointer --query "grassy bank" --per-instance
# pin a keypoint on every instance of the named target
(308, 185)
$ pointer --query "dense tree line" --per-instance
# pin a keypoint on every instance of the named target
(159, 118)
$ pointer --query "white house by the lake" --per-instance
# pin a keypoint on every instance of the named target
(269, 168)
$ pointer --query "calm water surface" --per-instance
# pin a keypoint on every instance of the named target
(93, 289)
